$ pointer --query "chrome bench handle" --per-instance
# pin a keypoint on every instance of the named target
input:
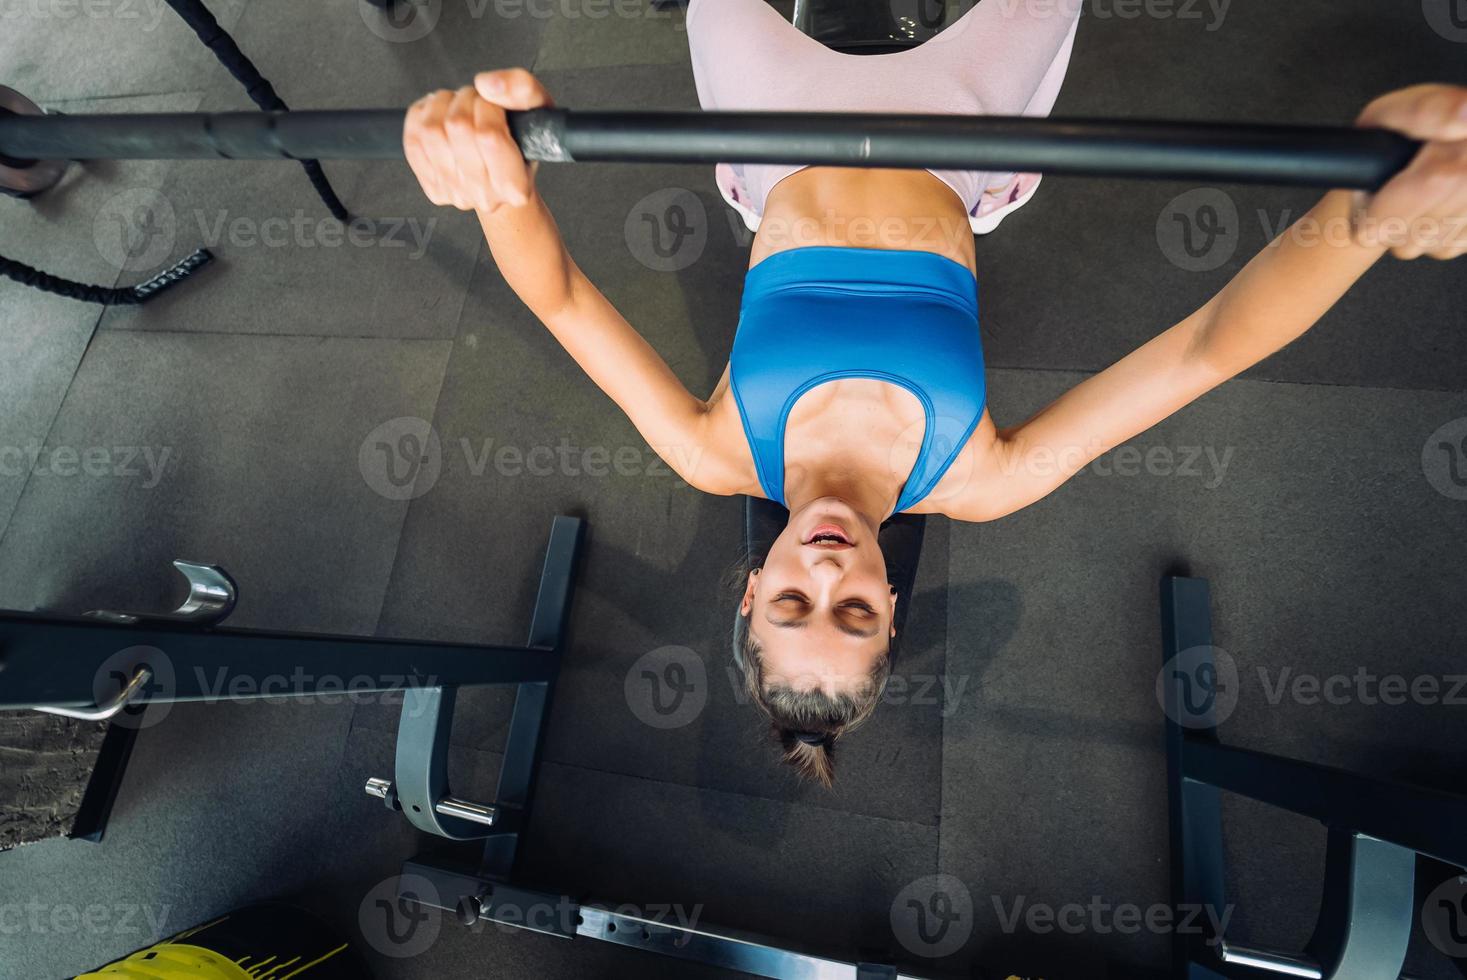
(211, 597)
(104, 712)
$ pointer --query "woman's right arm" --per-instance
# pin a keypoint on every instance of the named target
(460, 147)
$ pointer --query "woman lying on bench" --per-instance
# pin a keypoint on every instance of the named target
(855, 389)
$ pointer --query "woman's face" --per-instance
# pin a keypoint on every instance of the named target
(821, 609)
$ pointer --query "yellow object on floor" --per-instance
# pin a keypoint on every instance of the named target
(171, 961)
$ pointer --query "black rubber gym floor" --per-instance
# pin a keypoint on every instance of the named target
(1023, 755)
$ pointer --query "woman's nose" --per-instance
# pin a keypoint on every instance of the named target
(827, 570)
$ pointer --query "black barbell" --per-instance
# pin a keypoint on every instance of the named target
(1309, 156)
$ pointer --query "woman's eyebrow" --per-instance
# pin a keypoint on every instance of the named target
(799, 624)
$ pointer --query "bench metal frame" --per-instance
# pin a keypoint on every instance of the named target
(1376, 828)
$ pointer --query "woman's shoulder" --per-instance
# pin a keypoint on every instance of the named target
(720, 462)
(972, 488)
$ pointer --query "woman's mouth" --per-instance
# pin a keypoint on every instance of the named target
(829, 536)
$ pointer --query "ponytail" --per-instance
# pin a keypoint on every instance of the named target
(813, 757)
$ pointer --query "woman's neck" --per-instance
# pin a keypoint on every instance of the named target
(871, 496)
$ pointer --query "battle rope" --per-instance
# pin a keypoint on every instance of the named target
(197, 16)
(204, 24)
(119, 296)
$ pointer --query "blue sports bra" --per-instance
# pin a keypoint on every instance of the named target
(812, 315)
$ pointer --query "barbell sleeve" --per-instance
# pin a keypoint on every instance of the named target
(1309, 156)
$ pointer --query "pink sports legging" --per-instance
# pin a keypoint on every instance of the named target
(1003, 57)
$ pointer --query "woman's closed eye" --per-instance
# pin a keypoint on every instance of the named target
(856, 605)
(859, 619)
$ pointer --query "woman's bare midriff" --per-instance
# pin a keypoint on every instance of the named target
(889, 209)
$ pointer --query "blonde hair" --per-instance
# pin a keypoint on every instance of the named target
(805, 724)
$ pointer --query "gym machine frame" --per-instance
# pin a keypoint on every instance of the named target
(104, 665)
(1376, 828)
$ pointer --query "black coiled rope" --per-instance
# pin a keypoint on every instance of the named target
(204, 24)
(198, 17)
(112, 295)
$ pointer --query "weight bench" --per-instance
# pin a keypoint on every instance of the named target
(876, 28)
(860, 26)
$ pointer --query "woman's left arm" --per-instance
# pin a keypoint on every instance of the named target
(1278, 296)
